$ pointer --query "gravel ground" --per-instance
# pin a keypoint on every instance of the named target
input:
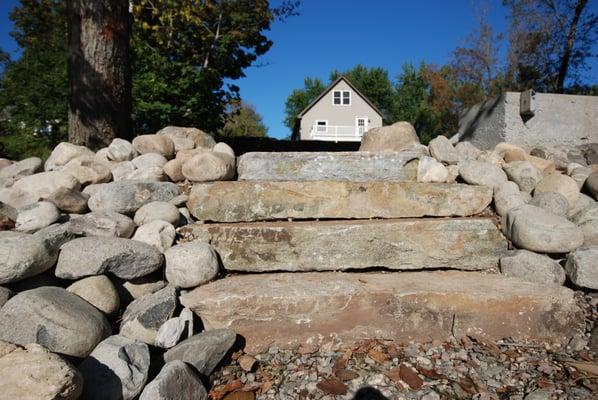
(457, 369)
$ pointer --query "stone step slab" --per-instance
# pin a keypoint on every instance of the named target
(327, 166)
(398, 244)
(308, 309)
(246, 201)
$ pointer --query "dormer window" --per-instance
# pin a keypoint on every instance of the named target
(341, 97)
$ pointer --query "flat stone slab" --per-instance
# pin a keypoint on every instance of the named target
(401, 244)
(327, 166)
(247, 201)
(307, 309)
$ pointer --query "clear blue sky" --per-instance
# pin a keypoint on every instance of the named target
(338, 34)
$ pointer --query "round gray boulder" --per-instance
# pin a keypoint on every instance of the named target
(532, 267)
(22, 256)
(126, 197)
(176, 380)
(36, 216)
(191, 264)
(157, 210)
(482, 173)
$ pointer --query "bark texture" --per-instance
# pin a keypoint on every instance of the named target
(99, 72)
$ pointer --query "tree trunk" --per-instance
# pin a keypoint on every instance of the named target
(564, 67)
(99, 71)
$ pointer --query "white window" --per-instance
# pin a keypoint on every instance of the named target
(321, 126)
(341, 97)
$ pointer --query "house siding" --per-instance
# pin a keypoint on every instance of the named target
(338, 114)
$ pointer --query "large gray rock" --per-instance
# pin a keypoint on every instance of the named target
(120, 150)
(533, 228)
(22, 168)
(592, 184)
(54, 236)
(290, 309)
(587, 220)
(36, 373)
(70, 201)
(582, 267)
(532, 267)
(144, 316)
(60, 321)
(97, 291)
(87, 170)
(117, 369)
(122, 170)
(126, 197)
(22, 256)
(396, 137)
(63, 153)
(339, 245)
(5, 294)
(36, 216)
(559, 183)
(507, 196)
(154, 144)
(467, 151)
(197, 136)
(159, 234)
(157, 210)
(430, 170)
(207, 166)
(324, 166)
(482, 173)
(155, 174)
(16, 198)
(45, 184)
(552, 202)
(102, 223)
(253, 200)
(524, 174)
(204, 351)
(176, 380)
(124, 258)
(149, 160)
(191, 264)
(442, 150)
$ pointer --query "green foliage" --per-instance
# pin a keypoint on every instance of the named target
(243, 120)
(301, 98)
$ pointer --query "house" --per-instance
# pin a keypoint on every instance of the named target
(340, 114)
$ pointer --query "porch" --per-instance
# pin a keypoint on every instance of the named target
(337, 133)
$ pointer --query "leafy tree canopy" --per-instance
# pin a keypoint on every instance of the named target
(242, 120)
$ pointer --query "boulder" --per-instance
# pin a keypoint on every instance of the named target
(97, 291)
(120, 150)
(547, 167)
(138, 288)
(430, 170)
(199, 137)
(491, 157)
(532, 267)
(312, 308)
(122, 170)
(582, 267)
(124, 258)
(181, 143)
(117, 369)
(5, 294)
(149, 160)
(467, 151)
(578, 173)
(36, 216)
(559, 183)
(144, 316)
(70, 201)
(176, 380)
(533, 228)
(552, 202)
(54, 236)
(158, 233)
(21, 168)
(22, 256)
(261, 200)
(224, 148)
(208, 166)
(155, 174)
(157, 210)
(509, 152)
(36, 373)
(204, 351)
(587, 220)
(507, 196)
(191, 264)
(174, 169)
(102, 223)
(482, 173)
(16, 198)
(50, 316)
(442, 150)
(591, 185)
(583, 201)
(87, 170)
(45, 184)
(126, 197)
(524, 174)
(63, 153)
(170, 332)
(154, 144)
(398, 244)
(396, 137)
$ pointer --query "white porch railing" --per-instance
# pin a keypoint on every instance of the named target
(337, 133)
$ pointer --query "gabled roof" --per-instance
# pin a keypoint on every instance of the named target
(329, 88)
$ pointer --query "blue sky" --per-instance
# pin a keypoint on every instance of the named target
(338, 34)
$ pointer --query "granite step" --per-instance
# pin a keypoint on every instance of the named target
(397, 244)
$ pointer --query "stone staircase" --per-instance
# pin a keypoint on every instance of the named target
(292, 221)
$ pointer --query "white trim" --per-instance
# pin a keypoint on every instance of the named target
(366, 122)
(342, 92)
(317, 126)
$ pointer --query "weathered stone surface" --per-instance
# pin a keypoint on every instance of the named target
(36, 216)
(482, 173)
(535, 229)
(587, 220)
(63, 153)
(154, 144)
(149, 160)
(16, 198)
(121, 170)
(60, 321)
(174, 169)
(251, 201)
(509, 152)
(170, 332)
(5, 294)
(36, 373)
(22, 168)
(524, 174)
(159, 234)
(324, 166)
(199, 137)
(125, 258)
(45, 184)
(583, 201)
(206, 166)
(117, 369)
(578, 173)
(546, 166)
(430, 170)
(97, 291)
(559, 183)
(144, 317)
(70, 201)
(138, 288)
(442, 150)
(396, 137)
(592, 184)
(176, 380)
(87, 170)
(191, 264)
(552, 202)
(467, 151)
(507, 196)
(155, 174)
(120, 150)
(204, 351)
(532, 267)
(339, 245)
(287, 309)
(54, 236)
(103, 223)
(22, 256)
(582, 267)
(157, 210)
(126, 197)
